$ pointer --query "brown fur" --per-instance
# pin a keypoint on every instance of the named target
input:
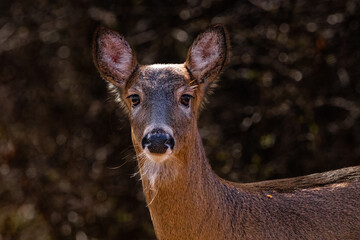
(185, 198)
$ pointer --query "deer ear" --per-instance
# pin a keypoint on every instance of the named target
(208, 54)
(113, 56)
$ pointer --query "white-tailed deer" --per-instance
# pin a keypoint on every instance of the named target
(185, 198)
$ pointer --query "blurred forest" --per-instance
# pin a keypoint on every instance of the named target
(288, 104)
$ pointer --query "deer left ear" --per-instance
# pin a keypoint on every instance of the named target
(208, 55)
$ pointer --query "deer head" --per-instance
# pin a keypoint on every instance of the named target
(162, 100)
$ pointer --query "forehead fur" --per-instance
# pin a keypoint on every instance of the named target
(163, 75)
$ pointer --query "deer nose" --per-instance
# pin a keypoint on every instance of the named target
(158, 141)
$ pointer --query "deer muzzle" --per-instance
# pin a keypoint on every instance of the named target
(158, 141)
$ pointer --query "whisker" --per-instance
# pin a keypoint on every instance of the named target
(135, 174)
(152, 200)
(176, 160)
(194, 87)
(191, 82)
(117, 167)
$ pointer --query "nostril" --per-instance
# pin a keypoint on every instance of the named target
(145, 142)
(170, 142)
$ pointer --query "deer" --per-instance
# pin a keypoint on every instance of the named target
(186, 199)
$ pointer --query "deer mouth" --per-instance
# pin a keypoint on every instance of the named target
(158, 157)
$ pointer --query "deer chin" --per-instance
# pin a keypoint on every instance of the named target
(159, 169)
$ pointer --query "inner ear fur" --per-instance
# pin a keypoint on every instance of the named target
(113, 56)
(208, 54)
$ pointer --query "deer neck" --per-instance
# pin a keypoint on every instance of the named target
(178, 206)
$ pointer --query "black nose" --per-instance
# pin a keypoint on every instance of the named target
(158, 141)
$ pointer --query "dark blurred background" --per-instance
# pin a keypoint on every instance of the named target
(288, 104)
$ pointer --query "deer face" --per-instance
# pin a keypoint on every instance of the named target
(161, 103)
(162, 100)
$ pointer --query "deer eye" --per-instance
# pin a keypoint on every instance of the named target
(135, 99)
(185, 99)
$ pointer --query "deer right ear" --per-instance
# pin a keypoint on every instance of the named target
(113, 56)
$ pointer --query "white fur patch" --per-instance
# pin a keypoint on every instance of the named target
(158, 172)
(157, 157)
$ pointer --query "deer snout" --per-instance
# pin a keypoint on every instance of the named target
(158, 141)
